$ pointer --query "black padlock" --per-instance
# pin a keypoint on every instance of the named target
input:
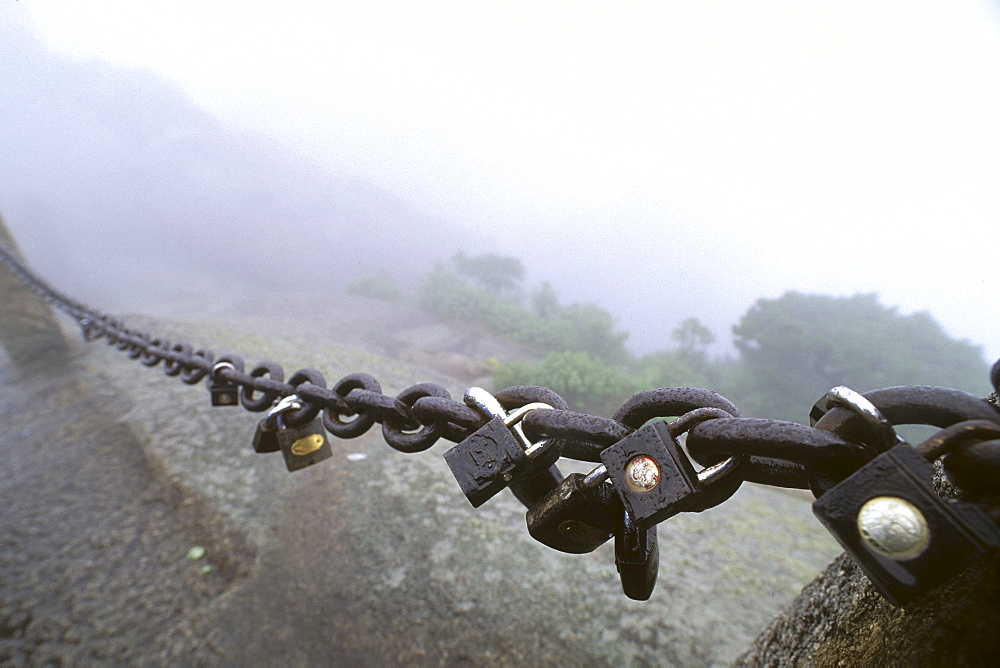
(224, 393)
(906, 538)
(637, 558)
(265, 438)
(488, 460)
(303, 446)
(576, 517)
(651, 474)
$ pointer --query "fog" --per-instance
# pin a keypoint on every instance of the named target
(663, 161)
(191, 166)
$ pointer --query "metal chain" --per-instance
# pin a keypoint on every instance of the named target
(776, 453)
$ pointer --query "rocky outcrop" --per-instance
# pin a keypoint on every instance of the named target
(28, 328)
(841, 620)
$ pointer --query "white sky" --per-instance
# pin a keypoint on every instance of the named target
(834, 147)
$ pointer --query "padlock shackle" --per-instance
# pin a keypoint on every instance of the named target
(856, 402)
(289, 403)
(513, 422)
(516, 415)
(596, 477)
(715, 472)
(219, 366)
(484, 402)
(912, 404)
(711, 475)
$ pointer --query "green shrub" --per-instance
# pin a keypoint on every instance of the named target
(375, 286)
(546, 325)
(586, 382)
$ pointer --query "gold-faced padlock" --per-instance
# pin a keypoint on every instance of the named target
(304, 445)
(301, 446)
(307, 445)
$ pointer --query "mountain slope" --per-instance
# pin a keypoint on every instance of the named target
(115, 182)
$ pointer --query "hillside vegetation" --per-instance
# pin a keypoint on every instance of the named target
(790, 350)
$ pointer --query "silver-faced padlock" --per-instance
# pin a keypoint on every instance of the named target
(905, 537)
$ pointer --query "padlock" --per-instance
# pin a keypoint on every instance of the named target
(488, 460)
(637, 558)
(224, 393)
(576, 517)
(906, 538)
(265, 438)
(534, 482)
(485, 462)
(304, 445)
(653, 477)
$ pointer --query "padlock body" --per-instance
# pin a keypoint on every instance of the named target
(676, 480)
(224, 394)
(574, 518)
(486, 462)
(265, 438)
(303, 446)
(953, 536)
(637, 557)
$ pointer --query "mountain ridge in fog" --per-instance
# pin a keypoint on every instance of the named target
(113, 177)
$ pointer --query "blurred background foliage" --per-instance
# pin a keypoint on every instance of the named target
(788, 350)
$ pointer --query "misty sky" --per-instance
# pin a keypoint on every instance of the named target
(719, 151)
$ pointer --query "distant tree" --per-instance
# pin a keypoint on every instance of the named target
(796, 347)
(692, 335)
(544, 302)
(669, 368)
(693, 339)
(501, 273)
(590, 328)
(687, 365)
